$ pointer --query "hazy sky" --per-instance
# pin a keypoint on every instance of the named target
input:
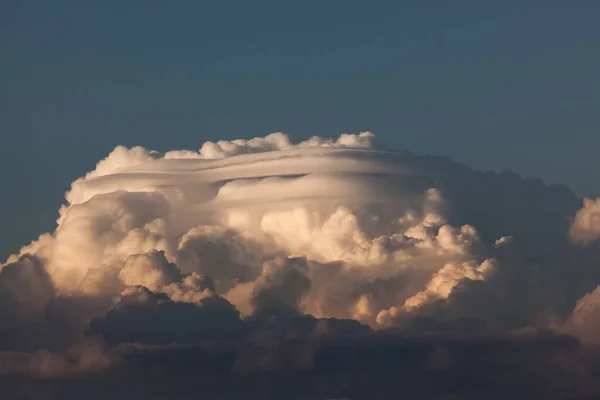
(502, 86)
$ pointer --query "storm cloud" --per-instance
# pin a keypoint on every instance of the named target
(322, 260)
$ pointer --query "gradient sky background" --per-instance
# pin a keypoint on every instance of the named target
(495, 85)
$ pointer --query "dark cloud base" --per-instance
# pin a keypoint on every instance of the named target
(380, 365)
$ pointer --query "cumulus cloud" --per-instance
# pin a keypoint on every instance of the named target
(143, 316)
(278, 141)
(151, 270)
(439, 287)
(25, 290)
(586, 225)
(584, 322)
(303, 241)
(283, 283)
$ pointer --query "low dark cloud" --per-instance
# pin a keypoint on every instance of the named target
(384, 365)
(153, 318)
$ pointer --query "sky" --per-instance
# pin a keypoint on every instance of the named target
(495, 85)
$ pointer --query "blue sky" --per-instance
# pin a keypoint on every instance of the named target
(495, 85)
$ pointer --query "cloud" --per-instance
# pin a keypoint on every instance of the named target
(25, 290)
(107, 228)
(143, 316)
(224, 254)
(151, 270)
(277, 141)
(283, 283)
(83, 358)
(369, 365)
(584, 322)
(440, 286)
(276, 247)
(586, 225)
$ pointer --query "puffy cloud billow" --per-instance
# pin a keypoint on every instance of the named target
(268, 255)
